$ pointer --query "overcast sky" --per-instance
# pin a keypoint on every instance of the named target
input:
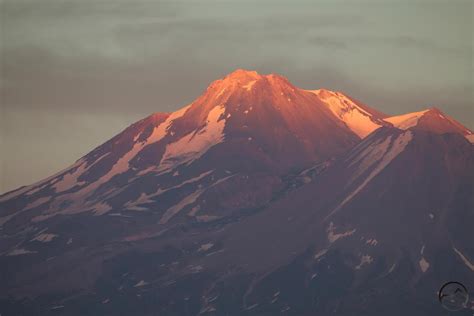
(76, 72)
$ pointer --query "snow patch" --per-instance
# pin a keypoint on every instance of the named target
(249, 85)
(206, 247)
(148, 198)
(69, 179)
(195, 144)
(470, 138)
(19, 252)
(141, 283)
(365, 259)
(424, 265)
(196, 269)
(464, 259)
(406, 121)
(332, 236)
(120, 166)
(320, 254)
(44, 237)
(57, 307)
(101, 208)
(37, 203)
(251, 306)
(392, 268)
(220, 93)
(356, 118)
(372, 242)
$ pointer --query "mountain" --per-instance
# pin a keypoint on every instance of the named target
(258, 198)
(255, 126)
(432, 120)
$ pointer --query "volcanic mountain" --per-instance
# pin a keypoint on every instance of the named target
(258, 198)
(246, 125)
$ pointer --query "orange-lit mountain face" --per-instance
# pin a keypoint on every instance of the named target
(255, 183)
(265, 116)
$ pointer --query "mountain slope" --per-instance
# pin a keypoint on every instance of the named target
(258, 198)
(384, 225)
(381, 227)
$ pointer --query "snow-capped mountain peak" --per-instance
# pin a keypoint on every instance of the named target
(433, 120)
(242, 122)
(187, 207)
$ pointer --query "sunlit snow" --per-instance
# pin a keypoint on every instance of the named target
(333, 236)
(424, 265)
(464, 259)
(197, 143)
(407, 120)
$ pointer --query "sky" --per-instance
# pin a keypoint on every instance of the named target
(76, 72)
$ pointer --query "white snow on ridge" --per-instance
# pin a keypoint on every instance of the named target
(195, 144)
(406, 121)
(464, 259)
(141, 283)
(392, 268)
(120, 166)
(249, 85)
(320, 254)
(220, 93)
(69, 179)
(162, 130)
(44, 237)
(35, 187)
(101, 208)
(19, 252)
(332, 236)
(356, 118)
